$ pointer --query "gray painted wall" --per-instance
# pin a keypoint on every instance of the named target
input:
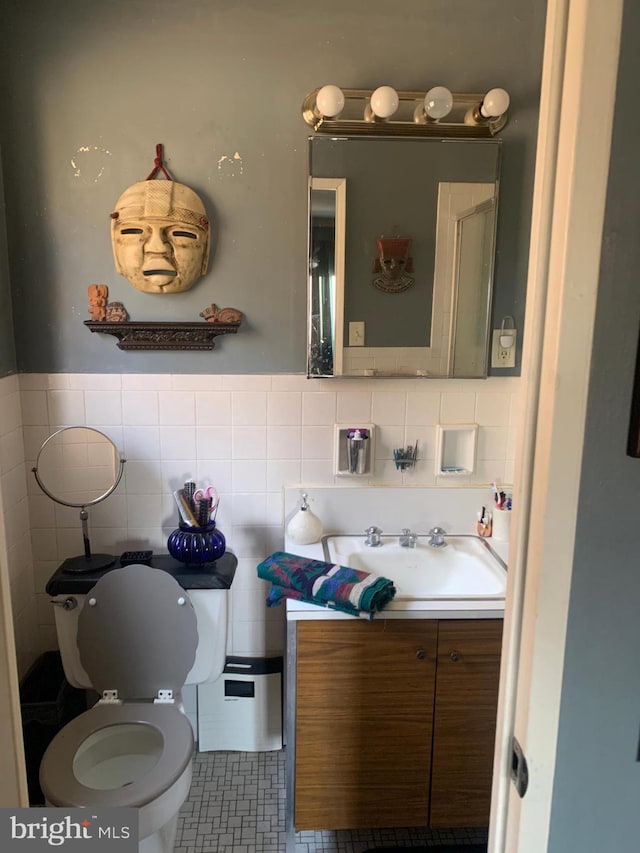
(597, 782)
(91, 86)
(7, 344)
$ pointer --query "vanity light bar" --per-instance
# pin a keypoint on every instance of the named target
(388, 112)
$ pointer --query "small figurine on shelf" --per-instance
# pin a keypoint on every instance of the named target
(98, 296)
(116, 313)
(213, 314)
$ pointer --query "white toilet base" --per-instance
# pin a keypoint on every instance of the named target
(151, 816)
(162, 841)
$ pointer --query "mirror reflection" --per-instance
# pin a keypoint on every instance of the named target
(401, 247)
(80, 467)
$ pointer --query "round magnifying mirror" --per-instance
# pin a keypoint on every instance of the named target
(80, 467)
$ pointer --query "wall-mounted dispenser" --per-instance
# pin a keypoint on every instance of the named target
(304, 527)
(354, 450)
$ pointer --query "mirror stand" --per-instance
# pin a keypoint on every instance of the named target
(87, 562)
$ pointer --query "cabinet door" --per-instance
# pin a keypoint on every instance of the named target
(465, 721)
(364, 720)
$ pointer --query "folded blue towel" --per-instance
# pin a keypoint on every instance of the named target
(327, 584)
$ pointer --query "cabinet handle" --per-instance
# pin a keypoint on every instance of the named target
(421, 654)
(455, 656)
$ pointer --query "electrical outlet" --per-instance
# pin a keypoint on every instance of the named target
(503, 356)
(356, 333)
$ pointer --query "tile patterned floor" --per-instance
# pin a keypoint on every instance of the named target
(237, 805)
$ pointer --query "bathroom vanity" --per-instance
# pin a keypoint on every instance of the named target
(393, 722)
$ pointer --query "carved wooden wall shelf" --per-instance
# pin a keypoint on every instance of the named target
(164, 336)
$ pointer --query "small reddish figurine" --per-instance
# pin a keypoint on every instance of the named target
(98, 295)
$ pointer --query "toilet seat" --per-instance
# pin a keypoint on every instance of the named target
(137, 637)
(137, 633)
(60, 785)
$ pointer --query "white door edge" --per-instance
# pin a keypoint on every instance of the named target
(574, 142)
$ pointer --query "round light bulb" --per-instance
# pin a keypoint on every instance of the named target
(495, 103)
(384, 101)
(330, 101)
(438, 102)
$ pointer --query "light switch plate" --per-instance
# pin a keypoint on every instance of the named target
(356, 333)
(503, 356)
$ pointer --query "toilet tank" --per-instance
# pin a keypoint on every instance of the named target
(211, 609)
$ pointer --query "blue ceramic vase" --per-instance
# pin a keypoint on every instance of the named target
(196, 545)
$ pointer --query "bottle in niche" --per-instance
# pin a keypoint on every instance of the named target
(304, 528)
(357, 450)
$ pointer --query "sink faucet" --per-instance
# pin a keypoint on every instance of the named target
(373, 537)
(408, 539)
(437, 535)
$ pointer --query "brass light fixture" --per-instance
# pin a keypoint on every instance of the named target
(385, 112)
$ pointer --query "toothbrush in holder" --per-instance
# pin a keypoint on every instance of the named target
(484, 525)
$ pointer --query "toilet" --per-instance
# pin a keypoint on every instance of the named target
(139, 639)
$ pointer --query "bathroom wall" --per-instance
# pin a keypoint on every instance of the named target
(249, 435)
(7, 344)
(88, 88)
(16, 522)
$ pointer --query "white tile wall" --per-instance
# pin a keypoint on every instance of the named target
(250, 435)
(15, 539)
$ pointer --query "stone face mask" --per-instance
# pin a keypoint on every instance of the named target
(160, 236)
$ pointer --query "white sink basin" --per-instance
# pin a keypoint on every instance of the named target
(467, 568)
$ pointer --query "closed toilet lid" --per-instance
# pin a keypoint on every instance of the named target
(137, 633)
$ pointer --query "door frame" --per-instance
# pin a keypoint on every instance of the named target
(582, 45)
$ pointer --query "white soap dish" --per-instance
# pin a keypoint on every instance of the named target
(456, 446)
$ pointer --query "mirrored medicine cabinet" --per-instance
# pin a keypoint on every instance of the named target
(401, 255)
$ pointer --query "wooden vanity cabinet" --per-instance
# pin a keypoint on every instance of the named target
(394, 722)
(364, 718)
(468, 672)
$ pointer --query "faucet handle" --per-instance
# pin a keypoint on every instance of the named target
(373, 537)
(437, 535)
